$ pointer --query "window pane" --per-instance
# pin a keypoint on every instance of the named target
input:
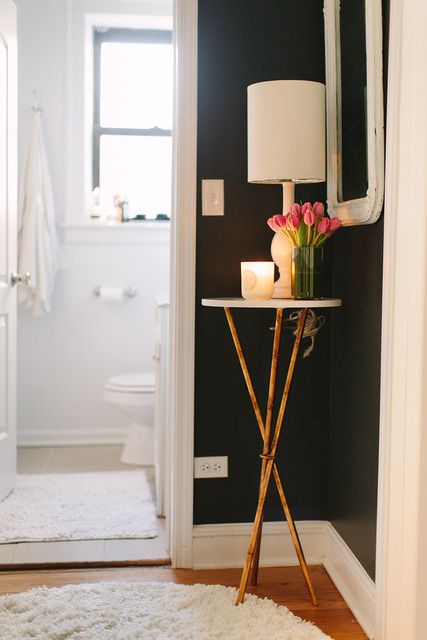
(136, 85)
(138, 168)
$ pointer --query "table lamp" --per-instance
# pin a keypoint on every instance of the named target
(286, 144)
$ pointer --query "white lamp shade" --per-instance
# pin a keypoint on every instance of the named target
(286, 131)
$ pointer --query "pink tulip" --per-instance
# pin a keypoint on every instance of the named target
(296, 209)
(306, 207)
(324, 226)
(306, 224)
(318, 209)
(335, 224)
(293, 221)
(309, 217)
(276, 222)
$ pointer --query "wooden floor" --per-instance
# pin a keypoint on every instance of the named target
(283, 585)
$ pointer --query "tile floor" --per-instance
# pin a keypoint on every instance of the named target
(80, 459)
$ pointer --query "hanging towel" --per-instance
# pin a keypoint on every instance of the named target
(38, 246)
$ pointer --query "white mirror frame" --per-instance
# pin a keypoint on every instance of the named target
(364, 210)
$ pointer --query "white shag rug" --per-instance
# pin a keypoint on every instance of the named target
(147, 611)
(78, 506)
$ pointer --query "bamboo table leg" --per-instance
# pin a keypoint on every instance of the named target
(269, 465)
(253, 577)
(270, 460)
(294, 535)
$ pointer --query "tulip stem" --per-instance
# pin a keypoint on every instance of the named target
(316, 239)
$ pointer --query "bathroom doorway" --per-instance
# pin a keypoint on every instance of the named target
(95, 331)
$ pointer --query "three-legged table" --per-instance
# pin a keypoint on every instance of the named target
(270, 436)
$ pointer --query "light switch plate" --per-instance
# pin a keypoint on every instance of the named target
(212, 197)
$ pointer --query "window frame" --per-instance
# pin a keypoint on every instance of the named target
(125, 35)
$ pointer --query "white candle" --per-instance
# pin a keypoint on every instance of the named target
(257, 280)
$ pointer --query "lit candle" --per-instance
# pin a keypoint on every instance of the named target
(257, 280)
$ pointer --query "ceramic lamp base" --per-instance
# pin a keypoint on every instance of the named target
(281, 252)
(281, 248)
(281, 289)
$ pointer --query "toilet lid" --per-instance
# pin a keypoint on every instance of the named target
(128, 382)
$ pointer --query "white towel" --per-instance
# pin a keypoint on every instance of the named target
(38, 246)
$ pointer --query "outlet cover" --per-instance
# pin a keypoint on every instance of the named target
(211, 467)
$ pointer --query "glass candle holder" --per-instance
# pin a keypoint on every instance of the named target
(257, 280)
(307, 272)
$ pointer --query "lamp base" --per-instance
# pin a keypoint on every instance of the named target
(288, 196)
(281, 252)
(282, 289)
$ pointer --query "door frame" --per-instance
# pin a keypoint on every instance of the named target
(8, 292)
(182, 283)
(401, 577)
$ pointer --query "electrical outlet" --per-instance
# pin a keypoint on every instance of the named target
(211, 467)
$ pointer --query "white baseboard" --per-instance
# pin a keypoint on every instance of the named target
(355, 585)
(70, 437)
(224, 546)
(218, 546)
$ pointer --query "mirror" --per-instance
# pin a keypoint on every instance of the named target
(355, 121)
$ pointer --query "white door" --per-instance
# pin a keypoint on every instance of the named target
(8, 241)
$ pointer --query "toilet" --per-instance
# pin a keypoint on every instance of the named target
(133, 395)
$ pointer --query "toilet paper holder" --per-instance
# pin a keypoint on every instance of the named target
(128, 292)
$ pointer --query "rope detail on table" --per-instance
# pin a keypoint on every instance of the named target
(312, 325)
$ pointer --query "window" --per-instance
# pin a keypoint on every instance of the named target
(132, 144)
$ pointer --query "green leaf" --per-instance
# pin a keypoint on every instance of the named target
(302, 234)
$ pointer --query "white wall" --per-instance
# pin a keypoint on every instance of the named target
(41, 68)
(65, 357)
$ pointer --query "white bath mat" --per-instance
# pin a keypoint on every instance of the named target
(152, 611)
(78, 506)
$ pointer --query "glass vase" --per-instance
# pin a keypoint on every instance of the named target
(307, 272)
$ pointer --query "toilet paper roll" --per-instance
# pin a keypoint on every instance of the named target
(110, 293)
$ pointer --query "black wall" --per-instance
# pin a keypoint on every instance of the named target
(239, 44)
(355, 380)
(330, 445)
(355, 388)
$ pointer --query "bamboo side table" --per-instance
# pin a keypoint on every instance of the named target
(270, 437)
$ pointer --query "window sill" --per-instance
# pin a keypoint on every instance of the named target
(146, 232)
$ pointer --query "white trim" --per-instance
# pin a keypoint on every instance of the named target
(224, 546)
(219, 546)
(402, 504)
(71, 437)
(183, 260)
(368, 209)
(351, 580)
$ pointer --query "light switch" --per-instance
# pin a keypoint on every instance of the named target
(212, 197)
